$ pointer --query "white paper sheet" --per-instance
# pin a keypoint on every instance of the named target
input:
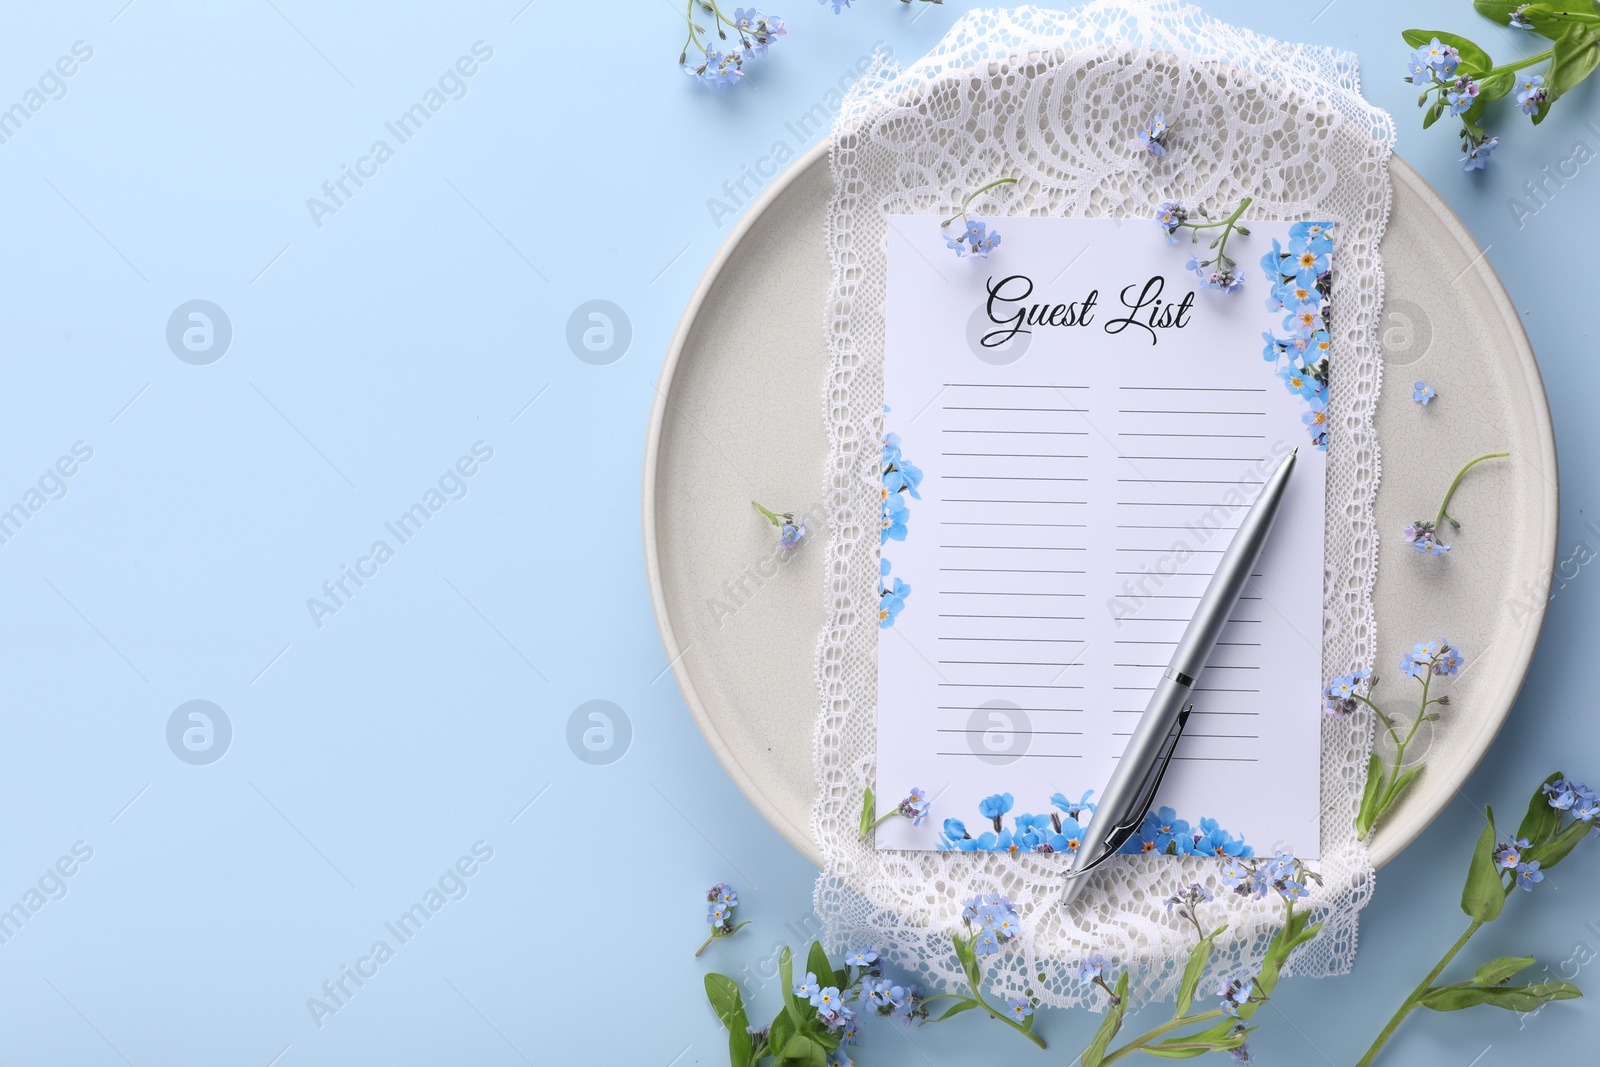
(1078, 484)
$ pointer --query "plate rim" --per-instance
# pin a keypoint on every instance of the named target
(1391, 839)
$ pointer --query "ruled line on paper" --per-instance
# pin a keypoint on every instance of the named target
(1021, 548)
(1049, 618)
(1003, 663)
(1233, 436)
(1037, 433)
(1201, 459)
(1200, 737)
(1220, 644)
(1163, 411)
(1196, 712)
(1185, 389)
(1001, 685)
(966, 407)
(1021, 755)
(1190, 481)
(1012, 478)
(1051, 525)
(980, 707)
(1021, 640)
(1018, 733)
(998, 592)
(1137, 618)
(1008, 385)
(1002, 570)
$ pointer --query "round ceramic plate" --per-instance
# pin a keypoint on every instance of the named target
(739, 417)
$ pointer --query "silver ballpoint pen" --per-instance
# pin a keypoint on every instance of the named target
(1132, 789)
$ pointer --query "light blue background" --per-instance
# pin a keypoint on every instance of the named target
(367, 356)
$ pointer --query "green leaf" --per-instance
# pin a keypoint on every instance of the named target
(963, 949)
(969, 960)
(1369, 797)
(1541, 821)
(1577, 54)
(801, 1049)
(1219, 1038)
(817, 963)
(1177, 1050)
(1500, 11)
(1404, 781)
(1474, 60)
(1108, 1026)
(957, 1008)
(786, 990)
(1484, 894)
(1496, 971)
(824, 1037)
(1294, 933)
(723, 993)
(867, 811)
(1511, 998)
(1496, 87)
(1192, 972)
(1433, 114)
(1555, 851)
(783, 1028)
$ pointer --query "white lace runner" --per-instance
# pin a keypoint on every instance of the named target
(1055, 99)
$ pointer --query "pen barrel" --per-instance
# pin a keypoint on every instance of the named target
(1122, 790)
(1119, 802)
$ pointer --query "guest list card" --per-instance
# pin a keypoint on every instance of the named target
(1074, 427)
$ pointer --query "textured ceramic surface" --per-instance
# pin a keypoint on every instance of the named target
(738, 416)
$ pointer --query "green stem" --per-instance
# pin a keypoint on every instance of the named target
(1388, 724)
(688, 18)
(973, 196)
(1029, 1034)
(1161, 1031)
(718, 934)
(1519, 64)
(877, 823)
(1417, 994)
(1228, 224)
(1229, 221)
(1391, 790)
(974, 974)
(1444, 512)
(776, 520)
(943, 996)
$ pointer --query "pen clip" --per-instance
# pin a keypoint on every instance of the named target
(1147, 794)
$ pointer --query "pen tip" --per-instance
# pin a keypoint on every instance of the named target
(1294, 452)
